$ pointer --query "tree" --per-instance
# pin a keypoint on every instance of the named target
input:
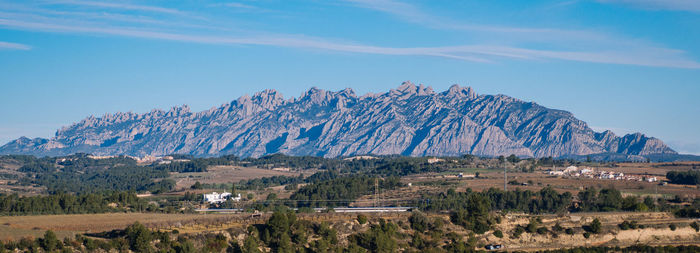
(197, 185)
(609, 200)
(476, 216)
(361, 218)
(513, 158)
(250, 245)
(139, 237)
(50, 242)
(595, 226)
(418, 221)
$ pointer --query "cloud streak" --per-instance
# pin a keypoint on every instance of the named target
(14, 46)
(674, 5)
(118, 5)
(37, 19)
(474, 53)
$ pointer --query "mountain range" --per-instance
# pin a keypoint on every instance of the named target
(408, 120)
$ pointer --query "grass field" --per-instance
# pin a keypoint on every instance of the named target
(16, 227)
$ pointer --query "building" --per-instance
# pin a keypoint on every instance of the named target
(215, 197)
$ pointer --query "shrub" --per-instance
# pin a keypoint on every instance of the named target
(625, 225)
(695, 226)
(498, 233)
(586, 235)
(418, 221)
(672, 227)
(569, 231)
(557, 227)
(519, 230)
(595, 226)
(361, 218)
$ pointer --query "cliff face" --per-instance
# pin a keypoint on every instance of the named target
(409, 120)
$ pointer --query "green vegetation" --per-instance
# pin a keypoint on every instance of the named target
(544, 201)
(339, 191)
(691, 177)
(626, 225)
(64, 203)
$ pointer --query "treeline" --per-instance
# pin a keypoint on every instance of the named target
(195, 164)
(64, 203)
(607, 200)
(339, 191)
(80, 174)
(137, 179)
(546, 200)
(691, 177)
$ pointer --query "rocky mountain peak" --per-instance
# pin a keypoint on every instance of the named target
(407, 89)
(268, 99)
(408, 120)
(455, 91)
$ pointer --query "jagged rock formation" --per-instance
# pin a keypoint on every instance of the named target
(409, 120)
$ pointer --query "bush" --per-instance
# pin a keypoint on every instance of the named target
(695, 226)
(672, 227)
(519, 230)
(557, 227)
(569, 231)
(594, 227)
(361, 218)
(541, 230)
(586, 235)
(418, 221)
(498, 233)
(625, 225)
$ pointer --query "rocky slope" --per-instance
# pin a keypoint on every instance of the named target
(409, 120)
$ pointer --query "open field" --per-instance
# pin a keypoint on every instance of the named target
(225, 174)
(16, 227)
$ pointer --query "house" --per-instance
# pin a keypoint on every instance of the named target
(215, 197)
(570, 169)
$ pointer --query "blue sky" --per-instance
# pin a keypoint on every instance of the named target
(624, 65)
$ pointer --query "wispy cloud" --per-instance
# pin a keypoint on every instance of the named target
(118, 5)
(15, 46)
(675, 5)
(574, 45)
(70, 21)
(414, 14)
(236, 5)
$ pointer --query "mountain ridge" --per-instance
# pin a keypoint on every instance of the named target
(408, 120)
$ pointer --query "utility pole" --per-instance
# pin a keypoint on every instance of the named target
(376, 192)
(505, 179)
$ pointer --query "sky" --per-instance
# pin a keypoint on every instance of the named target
(624, 65)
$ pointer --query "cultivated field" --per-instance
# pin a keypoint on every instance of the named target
(226, 174)
(16, 227)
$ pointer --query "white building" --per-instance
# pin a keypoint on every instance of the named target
(216, 197)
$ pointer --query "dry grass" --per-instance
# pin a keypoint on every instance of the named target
(225, 174)
(15, 227)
